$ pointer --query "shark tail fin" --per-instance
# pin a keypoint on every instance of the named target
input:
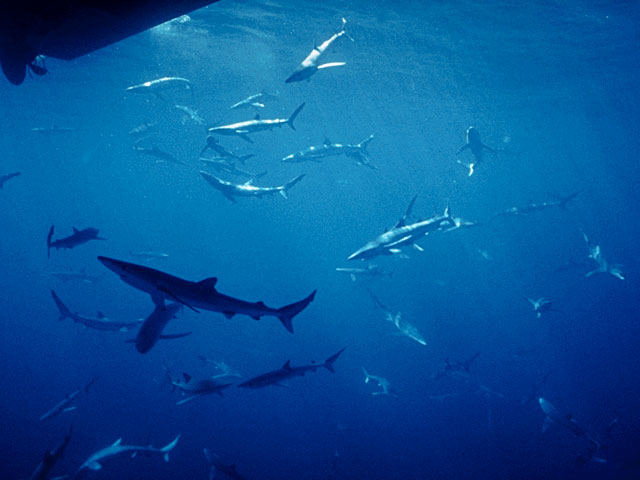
(286, 313)
(49, 236)
(166, 449)
(365, 143)
(290, 184)
(343, 30)
(62, 308)
(328, 363)
(293, 116)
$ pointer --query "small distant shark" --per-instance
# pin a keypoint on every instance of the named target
(149, 255)
(404, 235)
(93, 462)
(357, 152)
(151, 330)
(247, 189)
(143, 129)
(63, 405)
(309, 65)
(275, 377)
(383, 383)
(217, 466)
(196, 388)
(97, 323)
(158, 153)
(189, 113)
(202, 294)
(255, 101)
(537, 207)
(566, 421)
(51, 457)
(78, 237)
(53, 129)
(595, 254)
(541, 306)
(159, 86)
(405, 328)
(243, 129)
(477, 148)
(216, 146)
(75, 275)
(223, 165)
(456, 368)
(371, 270)
(226, 370)
(5, 178)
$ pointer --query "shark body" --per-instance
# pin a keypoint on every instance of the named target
(203, 294)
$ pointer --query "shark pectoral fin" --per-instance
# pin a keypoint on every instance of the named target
(169, 293)
(188, 399)
(331, 64)
(353, 277)
(546, 423)
(69, 409)
(158, 300)
(284, 194)
(418, 247)
(95, 466)
(245, 137)
(133, 455)
(228, 314)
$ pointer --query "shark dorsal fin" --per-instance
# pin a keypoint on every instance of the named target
(117, 442)
(326, 141)
(287, 365)
(257, 117)
(101, 315)
(75, 230)
(187, 377)
(209, 282)
(248, 182)
(95, 466)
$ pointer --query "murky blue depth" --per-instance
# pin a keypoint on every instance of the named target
(551, 87)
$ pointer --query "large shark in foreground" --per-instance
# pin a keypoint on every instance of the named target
(405, 235)
(50, 459)
(243, 129)
(62, 406)
(94, 461)
(309, 65)
(100, 322)
(202, 294)
(275, 377)
(78, 237)
(247, 189)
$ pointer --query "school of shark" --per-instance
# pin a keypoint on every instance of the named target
(231, 167)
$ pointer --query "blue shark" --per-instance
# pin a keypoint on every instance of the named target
(78, 237)
(202, 294)
(117, 448)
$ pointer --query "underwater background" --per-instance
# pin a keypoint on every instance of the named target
(551, 85)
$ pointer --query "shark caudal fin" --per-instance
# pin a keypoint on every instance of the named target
(290, 184)
(286, 313)
(294, 115)
(365, 143)
(328, 363)
(62, 308)
(166, 449)
(49, 236)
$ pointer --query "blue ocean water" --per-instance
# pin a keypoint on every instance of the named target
(551, 86)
